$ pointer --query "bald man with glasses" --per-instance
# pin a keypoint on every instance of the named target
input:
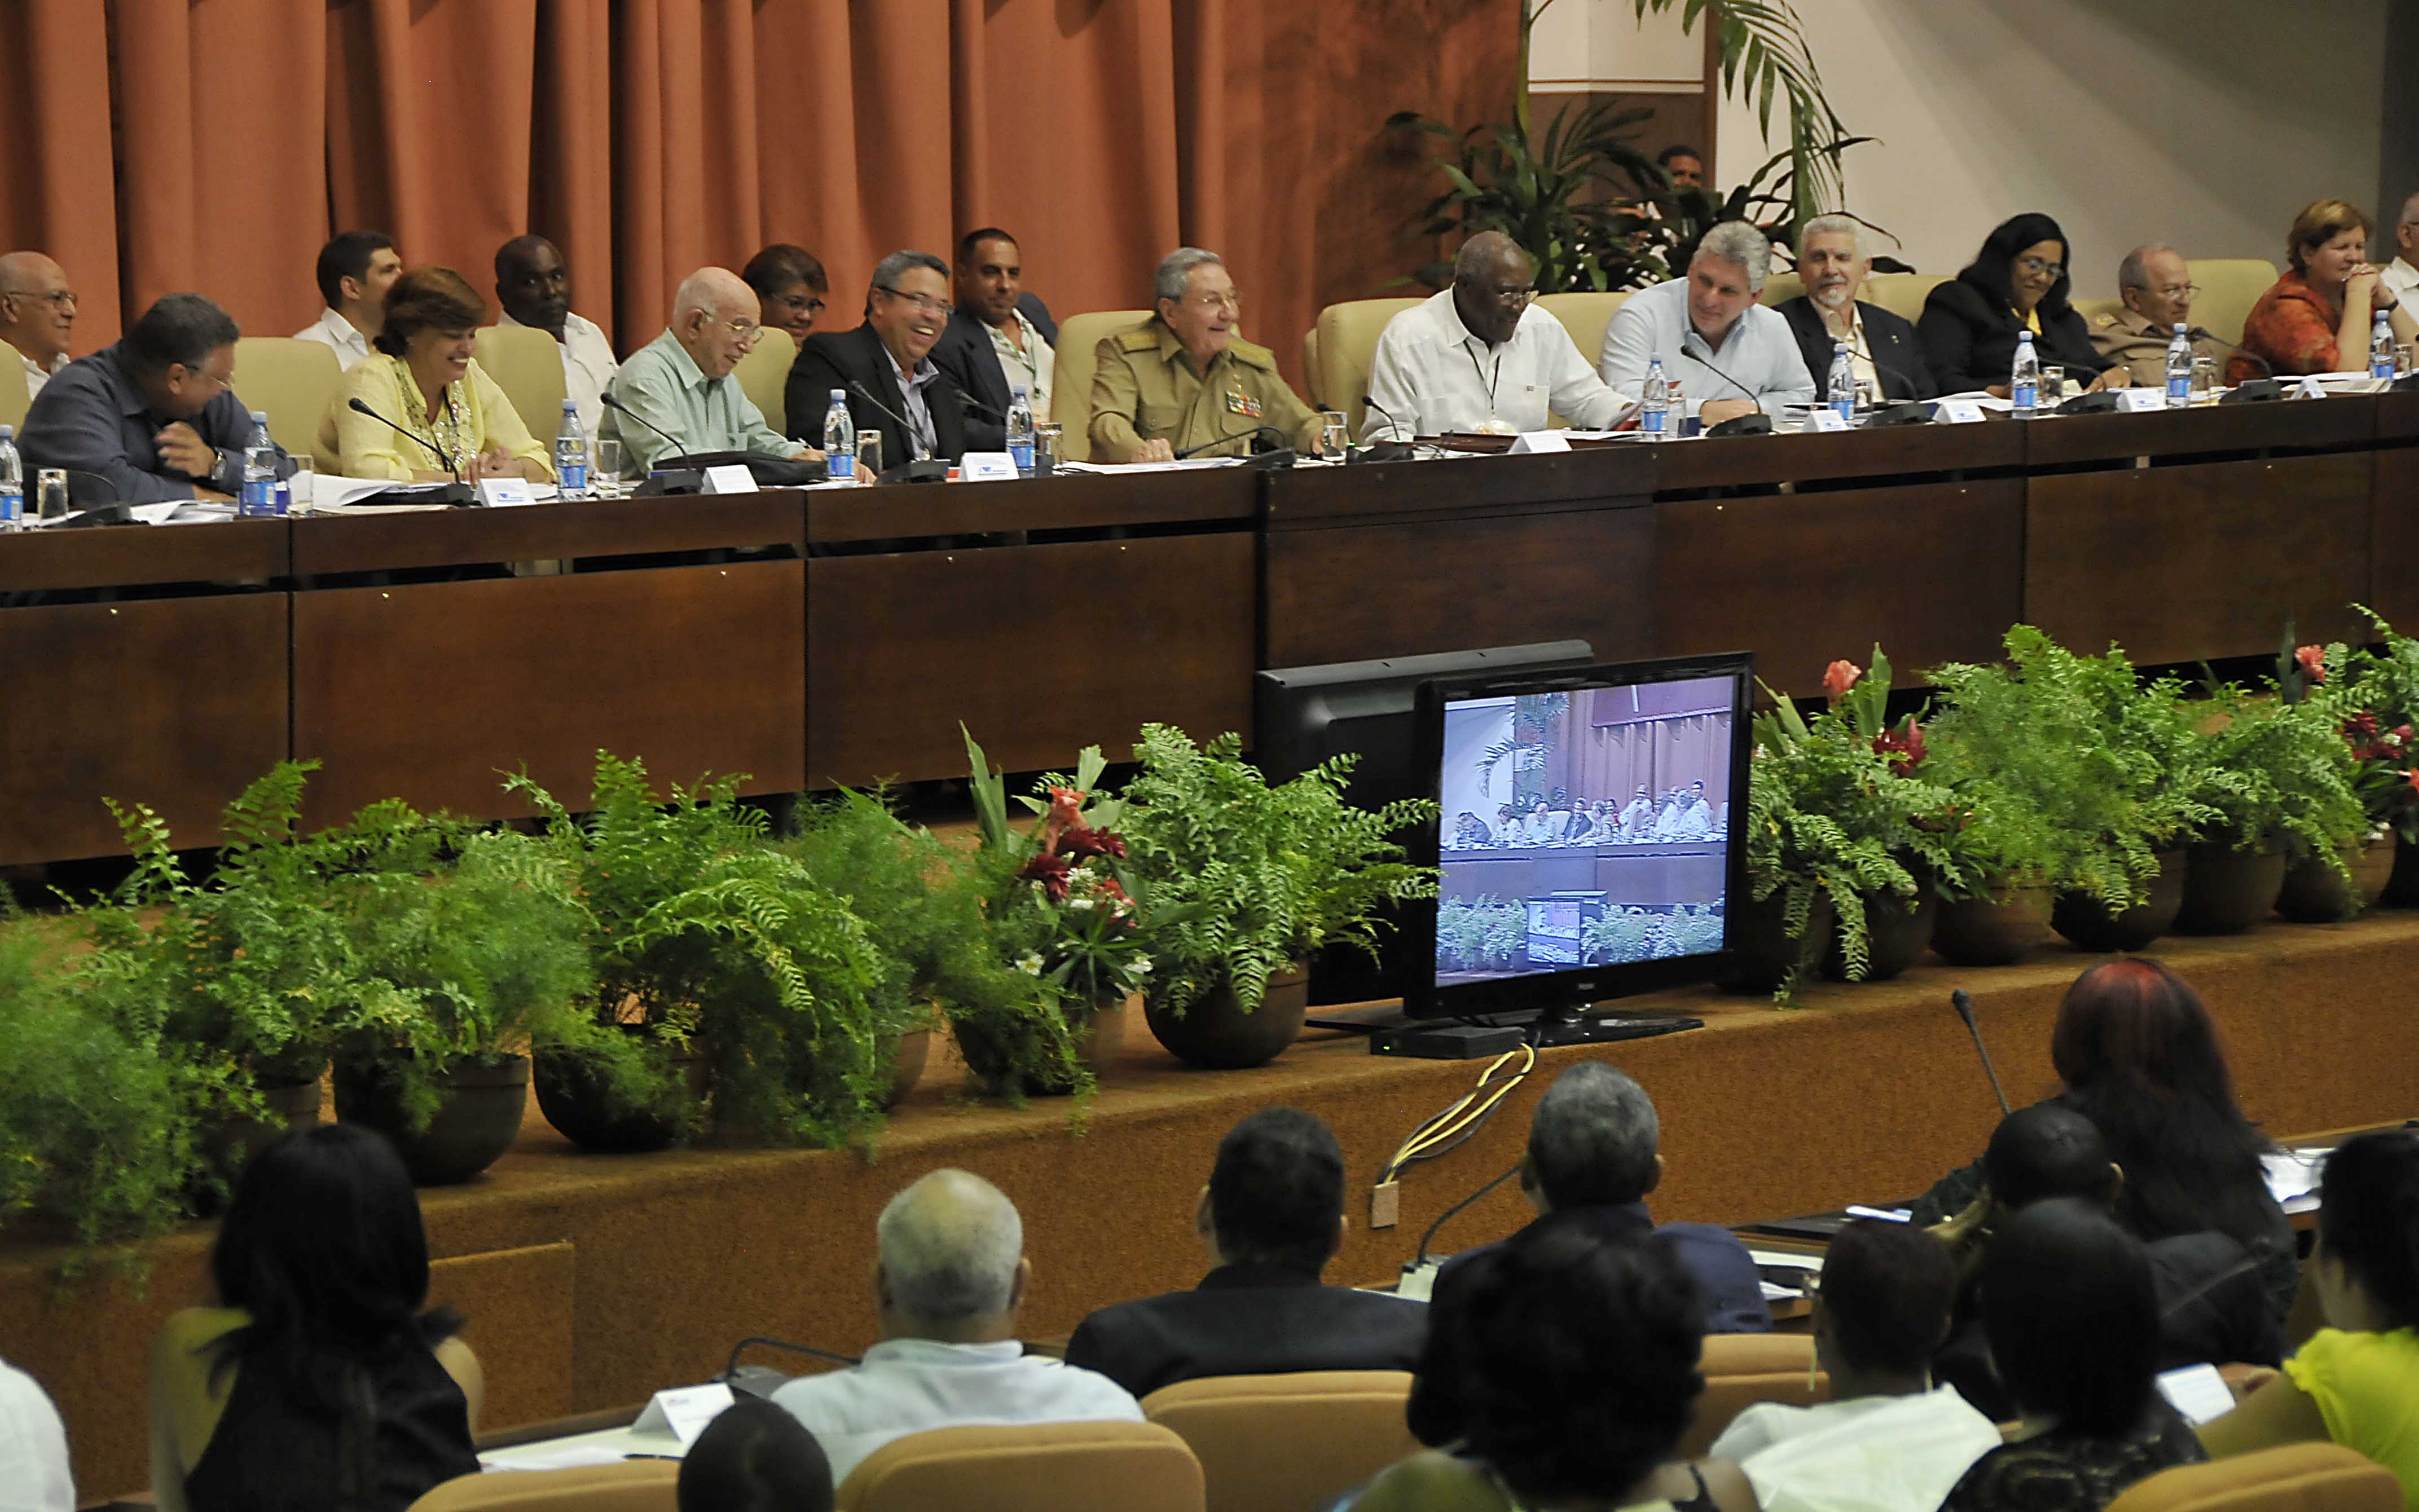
(2157, 289)
(38, 310)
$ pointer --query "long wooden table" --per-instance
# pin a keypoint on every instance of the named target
(825, 638)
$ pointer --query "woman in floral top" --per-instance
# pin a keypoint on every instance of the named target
(2316, 318)
(425, 379)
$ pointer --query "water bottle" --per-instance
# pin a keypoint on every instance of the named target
(1019, 430)
(1841, 388)
(570, 455)
(2024, 378)
(260, 494)
(840, 439)
(2179, 365)
(1656, 410)
(2380, 349)
(12, 482)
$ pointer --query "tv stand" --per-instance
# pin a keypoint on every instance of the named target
(1571, 1023)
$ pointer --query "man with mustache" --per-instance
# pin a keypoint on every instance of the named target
(1834, 263)
(891, 357)
(1184, 379)
(534, 286)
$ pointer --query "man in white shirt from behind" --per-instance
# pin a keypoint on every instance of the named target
(1482, 357)
(2402, 274)
(33, 1448)
(356, 268)
(1888, 1439)
(951, 1277)
(1731, 356)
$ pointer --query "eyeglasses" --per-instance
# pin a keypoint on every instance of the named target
(1520, 295)
(1231, 299)
(59, 297)
(2178, 291)
(746, 331)
(2037, 267)
(807, 303)
(925, 303)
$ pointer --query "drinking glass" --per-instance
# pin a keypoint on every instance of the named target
(1332, 436)
(868, 456)
(2402, 360)
(298, 487)
(50, 493)
(608, 466)
(2203, 389)
(1046, 439)
(2053, 387)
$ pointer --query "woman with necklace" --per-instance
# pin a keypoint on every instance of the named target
(449, 420)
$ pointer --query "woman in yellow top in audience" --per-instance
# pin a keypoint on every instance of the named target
(2357, 1379)
(425, 379)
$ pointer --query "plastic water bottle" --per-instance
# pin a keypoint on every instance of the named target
(259, 470)
(1841, 388)
(1020, 429)
(1654, 413)
(12, 482)
(840, 439)
(2179, 365)
(570, 455)
(2380, 349)
(2024, 378)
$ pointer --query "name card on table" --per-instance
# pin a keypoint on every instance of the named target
(1825, 419)
(987, 467)
(2141, 401)
(504, 493)
(2310, 387)
(684, 1411)
(731, 478)
(1529, 443)
(1957, 412)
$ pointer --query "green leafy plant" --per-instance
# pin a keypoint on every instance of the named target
(1479, 936)
(2371, 699)
(2275, 771)
(1766, 58)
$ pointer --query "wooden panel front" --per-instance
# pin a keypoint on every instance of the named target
(432, 692)
(2178, 564)
(224, 551)
(1931, 571)
(177, 703)
(1042, 651)
(1749, 461)
(596, 528)
(2299, 424)
(2394, 564)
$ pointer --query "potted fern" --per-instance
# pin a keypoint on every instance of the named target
(1247, 881)
(2279, 778)
(2371, 699)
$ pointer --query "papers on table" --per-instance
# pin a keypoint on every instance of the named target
(2293, 1173)
(2196, 1391)
(1789, 1259)
(1187, 465)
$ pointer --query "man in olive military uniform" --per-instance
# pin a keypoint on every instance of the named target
(1183, 378)
(2158, 292)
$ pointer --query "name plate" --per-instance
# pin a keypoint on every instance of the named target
(684, 1411)
(2310, 387)
(987, 467)
(2141, 401)
(1957, 412)
(731, 478)
(1826, 420)
(1529, 443)
(504, 493)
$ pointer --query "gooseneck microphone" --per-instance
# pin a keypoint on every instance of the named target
(1755, 423)
(1254, 432)
(360, 409)
(965, 396)
(858, 387)
(619, 408)
(1394, 426)
(1964, 1006)
(2202, 333)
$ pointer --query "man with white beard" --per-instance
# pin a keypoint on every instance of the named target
(1833, 261)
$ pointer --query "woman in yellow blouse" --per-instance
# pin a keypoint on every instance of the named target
(424, 377)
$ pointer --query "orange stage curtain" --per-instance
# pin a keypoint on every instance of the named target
(212, 144)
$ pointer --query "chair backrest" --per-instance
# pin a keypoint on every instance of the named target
(2230, 286)
(1348, 344)
(1312, 378)
(292, 381)
(1742, 1369)
(1901, 294)
(527, 364)
(1288, 1442)
(1070, 380)
(2092, 310)
(1779, 289)
(1042, 1467)
(634, 1485)
(764, 376)
(2296, 1477)
(1585, 315)
(14, 401)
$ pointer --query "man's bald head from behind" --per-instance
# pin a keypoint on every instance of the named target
(952, 1265)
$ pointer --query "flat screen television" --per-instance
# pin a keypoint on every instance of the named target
(1586, 836)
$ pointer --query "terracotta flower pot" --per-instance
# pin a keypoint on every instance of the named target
(2227, 890)
(476, 1122)
(576, 1101)
(1997, 930)
(2090, 925)
(2313, 894)
(1763, 952)
(232, 1144)
(1899, 931)
(1097, 1036)
(1217, 1033)
(906, 1054)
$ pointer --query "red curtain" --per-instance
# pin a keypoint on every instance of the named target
(648, 137)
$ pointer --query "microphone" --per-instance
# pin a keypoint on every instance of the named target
(966, 397)
(762, 1381)
(1254, 432)
(1394, 426)
(619, 408)
(1964, 1006)
(1399, 449)
(905, 428)
(2202, 333)
(360, 409)
(1758, 423)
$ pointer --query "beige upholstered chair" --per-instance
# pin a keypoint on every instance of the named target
(1070, 380)
(1346, 343)
(292, 381)
(2298, 1478)
(764, 376)
(1903, 293)
(635, 1485)
(1742, 1369)
(1048, 1467)
(13, 398)
(527, 364)
(1288, 1442)
(1317, 394)
(1779, 289)
(2230, 286)
(1585, 315)
(2092, 310)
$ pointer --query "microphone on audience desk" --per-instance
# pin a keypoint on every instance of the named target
(1964, 1006)
(916, 470)
(1391, 451)
(762, 1379)
(1279, 456)
(467, 495)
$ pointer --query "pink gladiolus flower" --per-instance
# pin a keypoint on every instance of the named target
(1840, 677)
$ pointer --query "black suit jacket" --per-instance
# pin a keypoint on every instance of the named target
(1249, 1320)
(1898, 356)
(965, 358)
(1969, 337)
(832, 359)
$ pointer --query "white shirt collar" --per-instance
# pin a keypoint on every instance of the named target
(932, 1351)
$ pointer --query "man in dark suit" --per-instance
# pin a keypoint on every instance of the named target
(1272, 1215)
(1001, 338)
(1833, 261)
(889, 358)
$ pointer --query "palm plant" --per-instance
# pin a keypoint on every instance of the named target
(1764, 52)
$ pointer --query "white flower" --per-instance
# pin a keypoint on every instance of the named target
(1139, 966)
(1082, 905)
(1030, 963)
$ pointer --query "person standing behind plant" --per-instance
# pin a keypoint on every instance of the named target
(317, 1381)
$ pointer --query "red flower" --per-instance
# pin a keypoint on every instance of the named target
(1082, 841)
(2400, 737)
(1840, 677)
(2362, 723)
(1050, 872)
(2413, 778)
(1060, 816)
(2314, 662)
(1903, 746)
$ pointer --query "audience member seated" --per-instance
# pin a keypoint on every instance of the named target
(1834, 259)
(1690, 817)
(1592, 1154)
(755, 1458)
(1568, 1364)
(426, 381)
(681, 382)
(2401, 276)
(1684, 165)
(2016, 284)
(1483, 357)
(2073, 1323)
(2155, 285)
(1184, 380)
(1889, 1439)
(791, 285)
(2139, 1057)
(156, 415)
(356, 268)
(38, 310)
(2320, 316)
(2212, 1309)
(1000, 336)
(533, 284)
(890, 357)
(1714, 338)
(950, 1278)
(316, 1380)
(1271, 1216)
(2357, 1379)
(34, 1476)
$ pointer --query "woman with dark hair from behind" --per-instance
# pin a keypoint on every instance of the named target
(317, 1383)
(755, 1457)
(2073, 1323)
(2017, 283)
(2357, 1379)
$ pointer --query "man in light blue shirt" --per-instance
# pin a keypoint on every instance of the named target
(1731, 356)
(680, 384)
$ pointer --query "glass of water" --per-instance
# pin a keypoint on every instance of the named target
(1047, 437)
(1332, 435)
(608, 466)
(2203, 389)
(298, 485)
(2402, 360)
(868, 456)
(2053, 385)
(51, 494)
